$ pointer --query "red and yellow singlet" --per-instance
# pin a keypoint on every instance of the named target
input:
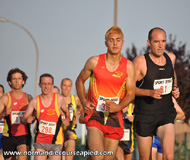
(105, 85)
(12, 125)
(49, 125)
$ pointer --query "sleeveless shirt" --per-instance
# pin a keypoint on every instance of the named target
(49, 125)
(155, 78)
(105, 85)
(12, 125)
(72, 110)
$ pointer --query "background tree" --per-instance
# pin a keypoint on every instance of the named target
(182, 68)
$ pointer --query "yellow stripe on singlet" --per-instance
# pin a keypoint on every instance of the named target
(130, 108)
(38, 107)
(59, 138)
(6, 128)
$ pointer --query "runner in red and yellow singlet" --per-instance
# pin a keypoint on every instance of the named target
(111, 88)
(16, 136)
(49, 125)
(106, 85)
(12, 125)
(48, 109)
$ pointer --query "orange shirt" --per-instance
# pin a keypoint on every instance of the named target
(106, 85)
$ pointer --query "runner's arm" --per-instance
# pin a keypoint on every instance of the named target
(180, 114)
(130, 86)
(28, 116)
(80, 109)
(83, 76)
(130, 91)
(3, 103)
(140, 71)
(175, 91)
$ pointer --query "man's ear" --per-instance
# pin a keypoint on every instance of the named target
(106, 44)
(148, 42)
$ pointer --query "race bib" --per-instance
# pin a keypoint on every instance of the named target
(126, 136)
(47, 127)
(165, 84)
(1, 127)
(16, 116)
(71, 114)
(101, 107)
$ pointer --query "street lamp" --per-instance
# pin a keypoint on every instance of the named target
(115, 13)
(35, 44)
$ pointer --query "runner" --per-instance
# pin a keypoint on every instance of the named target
(111, 88)
(2, 91)
(16, 136)
(47, 108)
(75, 107)
(126, 144)
(56, 90)
(154, 109)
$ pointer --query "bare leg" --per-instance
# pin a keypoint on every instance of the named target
(95, 141)
(1, 154)
(56, 157)
(110, 145)
(145, 147)
(40, 157)
(119, 153)
(159, 156)
(128, 156)
(22, 148)
(69, 146)
(154, 153)
(63, 157)
(166, 135)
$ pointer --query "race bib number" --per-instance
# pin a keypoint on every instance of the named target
(101, 107)
(165, 84)
(47, 127)
(16, 116)
(71, 113)
(126, 136)
(1, 127)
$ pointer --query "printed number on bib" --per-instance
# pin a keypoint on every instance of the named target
(1, 127)
(126, 136)
(47, 127)
(16, 116)
(101, 107)
(165, 84)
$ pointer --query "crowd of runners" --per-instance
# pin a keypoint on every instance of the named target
(124, 99)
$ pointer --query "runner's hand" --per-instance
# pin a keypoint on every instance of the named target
(31, 119)
(65, 122)
(88, 106)
(8, 111)
(175, 92)
(156, 93)
(111, 106)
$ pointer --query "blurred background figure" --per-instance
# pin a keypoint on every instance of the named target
(75, 108)
(2, 91)
(126, 144)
